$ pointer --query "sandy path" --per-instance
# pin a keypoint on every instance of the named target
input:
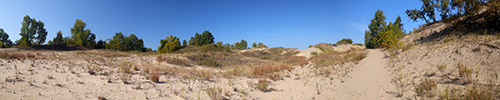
(369, 80)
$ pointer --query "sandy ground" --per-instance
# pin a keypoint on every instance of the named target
(64, 75)
(369, 80)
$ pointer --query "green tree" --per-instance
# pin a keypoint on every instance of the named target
(82, 36)
(169, 44)
(191, 41)
(184, 43)
(58, 40)
(254, 45)
(204, 39)
(125, 43)
(376, 27)
(32, 32)
(446, 8)
(101, 44)
(382, 35)
(242, 45)
(4, 39)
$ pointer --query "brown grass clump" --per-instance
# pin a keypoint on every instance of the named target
(173, 60)
(154, 76)
(268, 71)
(13, 55)
(31, 55)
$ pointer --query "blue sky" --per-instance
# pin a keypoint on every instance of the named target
(287, 23)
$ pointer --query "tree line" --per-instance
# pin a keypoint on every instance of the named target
(33, 33)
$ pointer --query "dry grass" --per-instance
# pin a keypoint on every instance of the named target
(221, 59)
(333, 58)
(215, 93)
(173, 60)
(13, 55)
(296, 61)
(262, 85)
(268, 71)
(425, 87)
(154, 76)
(464, 73)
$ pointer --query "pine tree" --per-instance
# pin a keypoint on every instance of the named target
(376, 28)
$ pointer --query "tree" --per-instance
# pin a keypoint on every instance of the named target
(4, 39)
(242, 45)
(184, 43)
(58, 40)
(42, 32)
(382, 35)
(206, 38)
(191, 41)
(199, 40)
(125, 43)
(30, 28)
(446, 8)
(101, 44)
(376, 27)
(254, 45)
(169, 44)
(82, 36)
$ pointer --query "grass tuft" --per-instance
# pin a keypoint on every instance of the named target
(215, 93)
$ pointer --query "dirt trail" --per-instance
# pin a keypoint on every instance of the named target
(369, 80)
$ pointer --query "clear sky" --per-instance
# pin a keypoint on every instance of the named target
(287, 23)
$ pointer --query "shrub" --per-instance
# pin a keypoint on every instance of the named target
(169, 44)
(314, 53)
(344, 41)
(215, 93)
(204, 60)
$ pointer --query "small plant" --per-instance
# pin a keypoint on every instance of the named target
(314, 53)
(425, 87)
(479, 93)
(442, 69)
(215, 92)
(464, 72)
(262, 85)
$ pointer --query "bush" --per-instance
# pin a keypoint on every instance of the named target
(169, 44)
(314, 53)
(344, 41)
